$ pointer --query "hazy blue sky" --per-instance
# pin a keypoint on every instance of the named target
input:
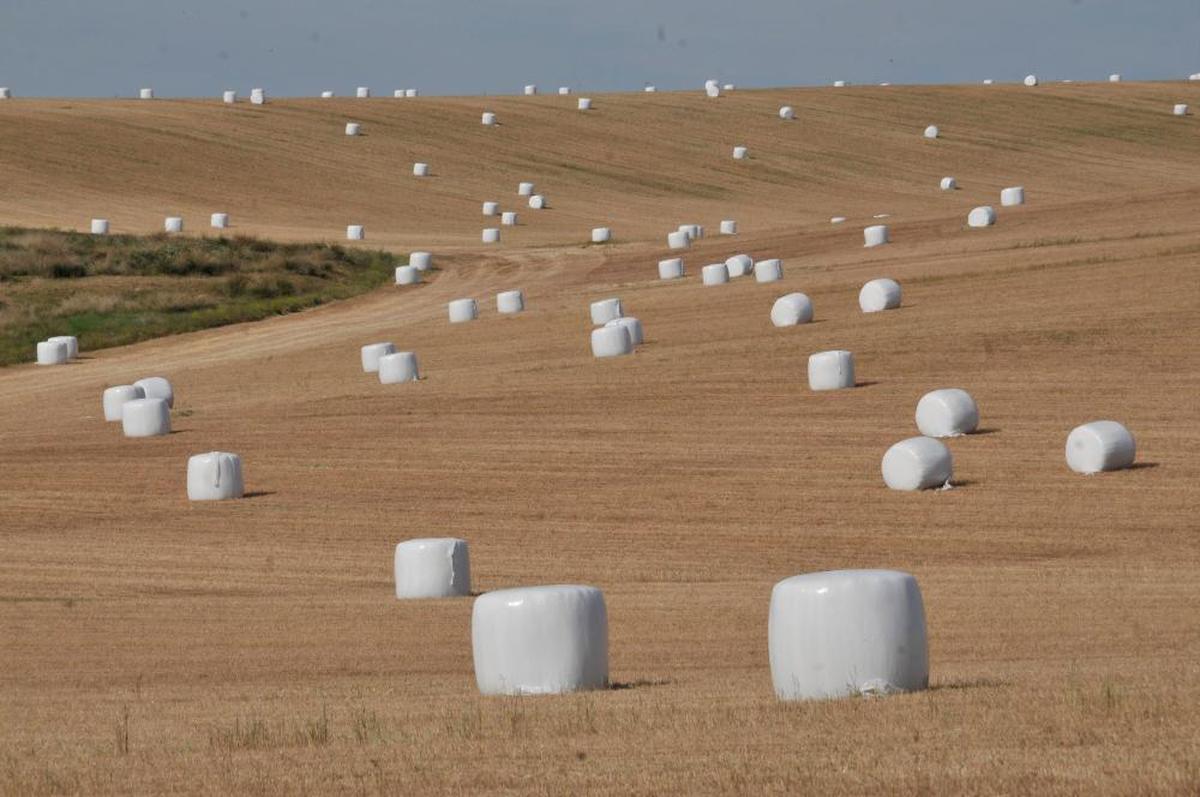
(113, 47)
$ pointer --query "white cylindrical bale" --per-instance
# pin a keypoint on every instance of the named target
(157, 387)
(769, 270)
(982, 216)
(918, 463)
(988, 81)
(831, 370)
(739, 265)
(740, 153)
(530, 90)
(564, 90)
(633, 326)
(420, 170)
(540, 640)
(1100, 446)
(839, 84)
(606, 310)
(257, 96)
(525, 189)
(52, 352)
(229, 97)
(729, 227)
(510, 302)
(410, 93)
(397, 94)
(1114, 78)
(71, 342)
(353, 128)
(219, 221)
(1031, 80)
(509, 218)
(670, 269)
(491, 235)
(791, 310)
(879, 294)
(787, 112)
(398, 367)
(1013, 195)
(5, 93)
(715, 274)
(712, 88)
(173, 224)
(847, 632)
(215, 476)
(1181, 109)
(99, 226)
(355, 232)
(678, 240)
(837, 219)
(948, 412)
(461, 310)
(601, 235)
(422, 261)
(325, 95)
(146, 94)
(491, 208)
(650, 89)
(115, 398)
(585, 103)
(876, 235)
(408, 275)
(537, 202)
(727, 87)
(949, 183)
(931, 131)
(362, 92)
(145, 417)
(432, 568)
(694, 231)
(611, 341)
(488, 119)
(372, 352)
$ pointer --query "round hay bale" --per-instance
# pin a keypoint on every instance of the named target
(1031, 80)
(509, 218)
(219, 221)
(949, 412)
(769, 270)
(145, 417)
(540, 640)
(530, 90)
(408, 275)
(432, 568)
(157, 387)
(462, 310)
(491, 235)
(988, 81)
(839, 84)
(229, 97)
(99, 226)
(355, 232)
(601, 235)
(362, 92)
(729, 227)
(831, 370)
(727, 87)
(353, 128)
(585, 104)
(257, 97)
(371, 354)
(400, 366)
(740, 153)
(422, 261)
(715, 274)
(878, 295)
(173, 224)
(52, 352)
(491, 208)
(611, 341)
(1181, 109)
(787, 113)
(1013, 195)
(791, 310)
(739, 265)
(410, 93)
(420, 170)
(5, 93)
(145, 94)
(931, 131)
(982, 216)
(564, 90)
(215, 476)
(876, 235)
(325, 95)
(949, 184)
(650, 89)
(1114, 78)
(398, 94)
(488, 119)
(71, 341)
(510, 302)
(837, 219)
(632, 325)
(670, 269)
(845, 633)
(694, 231)
(537, 202)
(679, 240)
(1100, 446)
(712, 88)
(524, 189)
(606, 310)
(918, 463)
(115, 398)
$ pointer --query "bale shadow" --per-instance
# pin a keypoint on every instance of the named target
(956, 483)
(258, 494)
(866, 383)
(1143, 465)
(639, 683)
(180, 431)
(975, 683)
(986, 430)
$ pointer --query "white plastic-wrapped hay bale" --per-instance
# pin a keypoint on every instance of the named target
(71, 342)
(878, 295)
(420, 170)
(740, 153)
(727, 87)
(611, 341)
(988, 81)
(509, 218)
(739, 265)
(1031, 80)
(728, 227)
(650, 89)
(410, 93)
(633, 326)
(146, 94)
(99, 226)
(257, 97)
(432, 568)
(839, 84)
(398, 367)
(325, 95)
(491, 208)
(831, 370)
(540, 640)
(355, 232)
(115, 398)
(173, 224)
(787, 113)
(1013, 195)
(510, 302)
(398, 94)
(837, 219)
(949, 184)
(525, 189)
(601, 235)
(145, 417)
(371, 354)
(715, 274)
(918, 463)
(353, 128)
(671, 268)
(362, 92)
(157, 387)
(606, 310)
(462, 310)
(847, 632)
(422, 261)
(219, 221)
(537, 202)
(215, 476)
(1100, 446)
(791, 310)
(564, 90)
(491, 235)
(679, 240)
(948, 412)
(1114, 78)
(1181, 109)
(5, 93)
(694, 231)
(769, 270)
(408, 275)
(712, 88)
(488, 119)
(52, 352)
(932, 131)
(585, 103)
(982, 216)
(229, 97)
(530, 90)
(876, 235)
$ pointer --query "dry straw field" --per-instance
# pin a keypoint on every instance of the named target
(153, 645)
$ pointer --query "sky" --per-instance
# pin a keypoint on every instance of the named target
(107, 48)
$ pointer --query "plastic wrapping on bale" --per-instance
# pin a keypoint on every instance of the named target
(837, 219)
(530, 90)
(173, 224)
(146, 94)
(948, 412)
(5, 93)
(611, 341)
(585, 104)
(712, 88)
(422, 261)
(601, 235)
(488, 119)
(918, 463)
(678, 240)
(215, 476)
(325, 95)
(52, 352)
(831, 370)
(787, 112)
(729, 227)
(525, 189)
(739, 265)
(491, 235)
(715, 274)
(398, 94)
(229, 97)
(839, 84)
(740, 153)
(509, 218)
(145, 417)
(398, 367)
(362, 92)
(769, 270)
(878, 295)
(408, 275)
(420, 170)
(432, 568)
(115, 398)
(461, 310)
(510, 302)
(931, 131)
(257, 97)
(670, 269)
(1031, 80)
(949, 184)
(876, 235)
(355, 232)
(1114, 78)
(693, 231)
(540, 640)
(1181, 109)
(410, 93)
(633, 326)
(371, 354)
(606, 310)
(353, 128)
(72, 344)
(491, 208)
(157, 387)
(564, 90)
(219, 221)
(1100, 446)
(99, 227)
(650, 89)
(791, 309)
(847, 632)
(988, 81)
(537, 202)
(982, 216)
(1013, 195)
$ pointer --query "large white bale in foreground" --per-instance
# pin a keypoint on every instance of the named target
(488, 119)
(398, 367)
(847, 632)
(831, 370)
(606, 310)
(218, 221)
(420, 170)
(540, 640)
(729, 227)
(510, 302)
(787, 112)
(146, 94)
(715, 274)
(52, 352)
(982, 216)
(362, 92)
(432, 568)
(491, 208)
(173, 224)
(739, 265)
(215, 476)
(145, 417)
(491, 235)
(525, 189)
(157, 387)
(99, 227)
(633, 326)
(537, 202)
(461, 310)
(740, 153)
(1181, 109)
(876, 235)
(355, 232)
(931, 131)
(791, 310)
(353, 128)
(879, 294)
(679, 240)
(1100, 446)
(601, 235)
(115, 398)
(670, 269)
(508, 218)
(611, 341)
(71, 342)
(408, 275)
(1031, 80)
(769, 270)
(422, 261)
(530, 90)
(948, 412)
(229, 97)
(372, 352)
(585, 103)
(918, 463)
(1013, 195)
(949, 184)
